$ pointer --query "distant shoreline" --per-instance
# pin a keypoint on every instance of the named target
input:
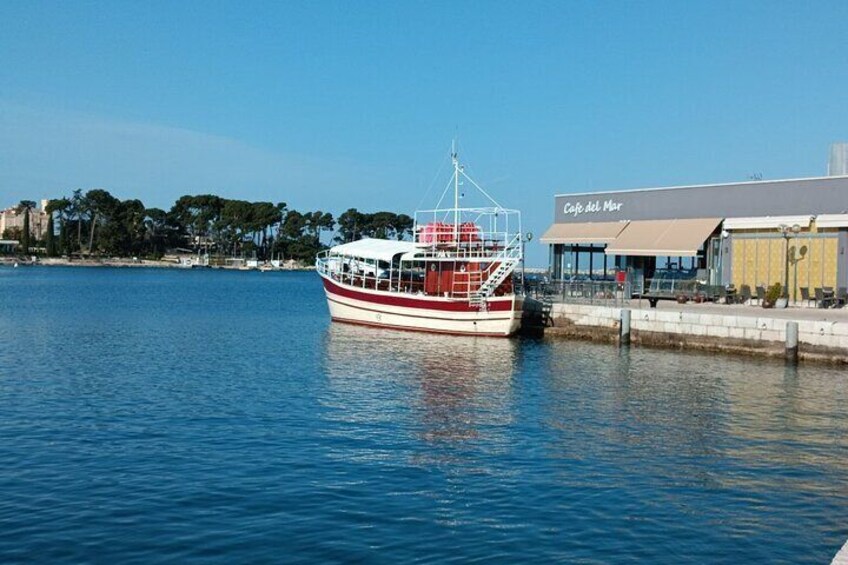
(129, 263)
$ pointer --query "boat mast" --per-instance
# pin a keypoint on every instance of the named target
(455, 160)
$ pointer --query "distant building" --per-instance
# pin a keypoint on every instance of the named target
(10, 219)
(837, 165)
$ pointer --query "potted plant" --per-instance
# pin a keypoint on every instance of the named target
(783, 301)
(772, 295)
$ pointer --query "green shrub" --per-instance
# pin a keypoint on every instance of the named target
(774, 292)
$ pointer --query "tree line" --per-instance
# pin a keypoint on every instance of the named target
(96, 223)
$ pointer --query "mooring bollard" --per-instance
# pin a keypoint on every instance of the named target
(792, 342)
(624, 328)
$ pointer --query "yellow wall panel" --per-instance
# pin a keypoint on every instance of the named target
(801, 260)
(816, 265)
(829, 259)
(762, 261)
(751, 248)
(777, 261)
(738, 262)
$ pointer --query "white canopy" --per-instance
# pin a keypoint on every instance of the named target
(379, 249)
(832, 221)
(766, 222)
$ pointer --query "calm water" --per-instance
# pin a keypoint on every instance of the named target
(212, 416)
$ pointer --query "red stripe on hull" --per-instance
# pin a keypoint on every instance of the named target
(390, 299)
(413, 329)
(378, 311)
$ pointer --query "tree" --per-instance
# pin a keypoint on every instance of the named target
(355, 225)
(207, 222)
(402, 226)
(49, 236)
(122, 227)
(264, 215)
(25, 207)
(77, 211)
(155, 231)
(282, 212)
(349, 226)
(62, 207)
(236, 220)
(381, 224)
(198, 217)
(324, 222)
(12, 233)
(99, 204)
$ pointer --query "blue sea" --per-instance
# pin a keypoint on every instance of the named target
(152, 416)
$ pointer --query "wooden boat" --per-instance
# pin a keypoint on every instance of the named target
(454, 277)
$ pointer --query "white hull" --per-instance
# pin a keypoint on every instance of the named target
(366, 309)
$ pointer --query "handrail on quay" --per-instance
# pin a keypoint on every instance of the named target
(616, 294)
(608, 293)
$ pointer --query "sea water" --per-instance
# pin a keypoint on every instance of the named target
(190, 416)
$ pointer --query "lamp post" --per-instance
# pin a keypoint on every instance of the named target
(724, 235)
(525, 238)
(788, 231)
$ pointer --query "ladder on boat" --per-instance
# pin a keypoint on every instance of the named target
(504, 264)
(492, 282)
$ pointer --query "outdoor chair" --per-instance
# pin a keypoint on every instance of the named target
(744, 294)
(805, 295)
(829, 296)
(761, 294)
(717, 292)
(841, 296)
(822, 301)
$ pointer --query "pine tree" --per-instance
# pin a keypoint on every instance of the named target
(24, 208)
(50, 242)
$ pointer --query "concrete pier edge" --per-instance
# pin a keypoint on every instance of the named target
(824, 341)
(841, 557)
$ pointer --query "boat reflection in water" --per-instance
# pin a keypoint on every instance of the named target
(447, 390)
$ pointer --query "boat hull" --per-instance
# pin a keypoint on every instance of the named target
(501, 317)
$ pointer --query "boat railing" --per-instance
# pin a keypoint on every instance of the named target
(385, 280)
(483, 245)
(321, 261)
(468, 283)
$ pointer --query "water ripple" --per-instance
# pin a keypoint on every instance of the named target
(218, 417)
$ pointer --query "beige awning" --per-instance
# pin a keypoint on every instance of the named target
(587, 232)
(673, 238)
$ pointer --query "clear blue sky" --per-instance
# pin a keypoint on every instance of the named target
(331, 105)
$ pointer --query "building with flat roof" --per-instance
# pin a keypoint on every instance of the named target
(749, 233)
(12, 220)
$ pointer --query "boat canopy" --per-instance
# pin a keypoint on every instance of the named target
(378, 249)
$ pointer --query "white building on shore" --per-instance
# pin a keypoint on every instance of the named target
(10, 219)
